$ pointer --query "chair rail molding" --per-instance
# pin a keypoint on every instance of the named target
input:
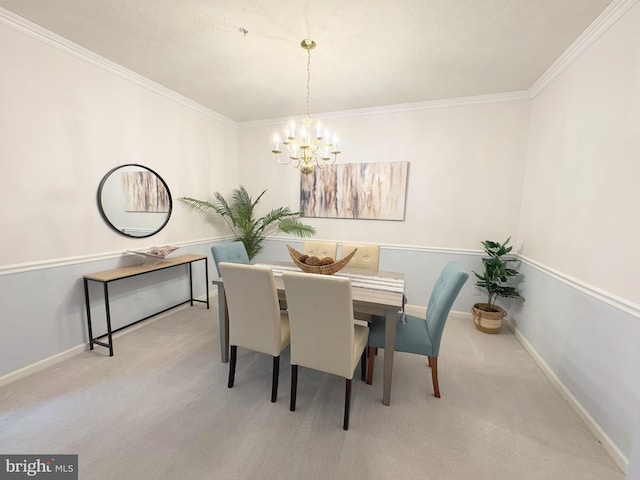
(591, 290)
(595, 292)
(63, 262)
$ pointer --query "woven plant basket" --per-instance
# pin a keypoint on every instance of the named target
(322, 269)
(487, 322)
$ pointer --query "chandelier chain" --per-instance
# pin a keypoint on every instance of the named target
(308, 81)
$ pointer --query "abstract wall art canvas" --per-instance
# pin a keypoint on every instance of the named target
(143, 192)
(374, 191)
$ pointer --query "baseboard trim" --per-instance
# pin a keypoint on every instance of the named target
(612, 449)
(616, 454)
(41, 365)
(83, 347)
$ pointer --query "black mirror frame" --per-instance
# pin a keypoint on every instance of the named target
(104, 215)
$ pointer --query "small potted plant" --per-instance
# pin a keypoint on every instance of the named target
(488, 316)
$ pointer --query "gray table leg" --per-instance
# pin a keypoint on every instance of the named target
(223, 319)
(389, 347)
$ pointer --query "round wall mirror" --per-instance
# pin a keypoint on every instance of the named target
(134, 200)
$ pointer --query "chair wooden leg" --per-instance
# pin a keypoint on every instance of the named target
(433, 362)
(274, 379)
(232, 365)
(429, 362)
(373, 351)
(347, 403)
(363, 364)
(294, 387)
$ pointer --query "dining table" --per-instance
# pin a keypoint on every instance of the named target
(374, 293)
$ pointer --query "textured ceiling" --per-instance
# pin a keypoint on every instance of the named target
(369, 54)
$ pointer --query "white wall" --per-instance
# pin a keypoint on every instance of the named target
(65, 123)
(581, 182)
(454, 153)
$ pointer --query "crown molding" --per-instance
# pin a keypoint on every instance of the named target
(614, 12)
(523, 95)
(605, 20)
(35, 31)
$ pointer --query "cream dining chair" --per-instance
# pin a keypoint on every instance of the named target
(255, 319)
(367, 257)
(323, 334)
(320, 248)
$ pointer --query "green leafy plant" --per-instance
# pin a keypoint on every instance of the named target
(239, 214)
(496, 274)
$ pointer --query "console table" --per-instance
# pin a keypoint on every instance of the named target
(116, 274)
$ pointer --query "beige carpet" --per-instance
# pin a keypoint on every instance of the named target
(160, 409)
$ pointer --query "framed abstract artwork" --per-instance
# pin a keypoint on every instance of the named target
(375, 191)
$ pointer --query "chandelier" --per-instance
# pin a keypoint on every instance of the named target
(311, 147)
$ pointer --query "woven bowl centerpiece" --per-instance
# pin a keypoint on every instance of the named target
(328, 269)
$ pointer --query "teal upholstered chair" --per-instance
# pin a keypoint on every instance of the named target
(419, 335)
(233, 252)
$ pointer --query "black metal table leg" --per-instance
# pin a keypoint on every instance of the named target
(106, 307)
(206, 276)
(86, 302)
(190, 285)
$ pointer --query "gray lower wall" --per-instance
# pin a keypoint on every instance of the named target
(589, 343)
(43, 310)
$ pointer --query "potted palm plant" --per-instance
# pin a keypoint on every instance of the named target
(239, 214)
(488, 316)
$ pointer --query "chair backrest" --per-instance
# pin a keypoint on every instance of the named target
(443, 294)
(233, 252)
(367, 256)
(254, 312)
(320, 248)
(321, 322)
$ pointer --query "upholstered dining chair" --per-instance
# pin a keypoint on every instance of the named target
(418, 335)
(255, 319)
(320, 248)
(232, 252)
(367, 256)
(323, 334)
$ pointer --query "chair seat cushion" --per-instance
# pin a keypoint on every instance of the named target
(411, 337)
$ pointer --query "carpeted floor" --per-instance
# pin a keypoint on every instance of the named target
(160, 409)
